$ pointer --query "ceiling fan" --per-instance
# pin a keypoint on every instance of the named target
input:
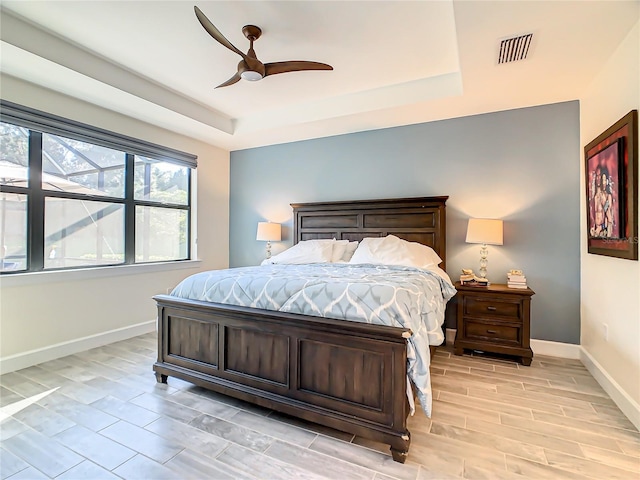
(250, 68)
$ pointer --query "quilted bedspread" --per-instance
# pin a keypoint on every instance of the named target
(385, 295)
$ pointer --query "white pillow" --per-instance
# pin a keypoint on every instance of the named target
(424, 255)
(367, 249)
(349, 250)
(307, 251)
(391, 250)
(339, 249)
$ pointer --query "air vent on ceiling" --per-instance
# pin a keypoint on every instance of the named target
(514, 49)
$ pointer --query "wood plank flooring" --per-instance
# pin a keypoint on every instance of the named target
(492, 419)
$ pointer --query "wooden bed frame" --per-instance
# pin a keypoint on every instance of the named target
(346, 375)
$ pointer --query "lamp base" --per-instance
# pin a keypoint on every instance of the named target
(268, 249)
(484, 252)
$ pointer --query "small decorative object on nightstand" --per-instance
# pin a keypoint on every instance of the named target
(494, 319)
(469, 278)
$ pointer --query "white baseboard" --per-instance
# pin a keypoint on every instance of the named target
(555, 349)
(34, 357)
(628, 405)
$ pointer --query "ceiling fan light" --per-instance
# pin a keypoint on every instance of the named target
(251, 75)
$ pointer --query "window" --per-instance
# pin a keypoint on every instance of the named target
(72, 195)
(81, 233)
(75, 166)
(13, 232)
(161, 233)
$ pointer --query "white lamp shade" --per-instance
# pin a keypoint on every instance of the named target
(268, 231)
(484, 230)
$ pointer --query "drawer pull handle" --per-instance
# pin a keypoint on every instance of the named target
(493, 332)
(491, 309)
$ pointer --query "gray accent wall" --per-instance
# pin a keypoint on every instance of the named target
(519, 165)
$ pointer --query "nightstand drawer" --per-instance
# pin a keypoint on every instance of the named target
(494, 333)
(479, 307)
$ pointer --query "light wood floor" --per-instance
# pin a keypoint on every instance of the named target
(492, 419)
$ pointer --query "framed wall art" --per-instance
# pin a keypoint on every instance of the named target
(611, 169)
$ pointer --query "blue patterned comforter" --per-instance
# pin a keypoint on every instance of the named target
(383, 295)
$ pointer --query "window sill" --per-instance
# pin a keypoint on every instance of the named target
(35, 278)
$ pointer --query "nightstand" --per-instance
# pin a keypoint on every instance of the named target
(494, 319)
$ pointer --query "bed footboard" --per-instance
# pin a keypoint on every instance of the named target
(345, 375)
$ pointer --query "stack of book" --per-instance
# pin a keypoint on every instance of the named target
(516, 279)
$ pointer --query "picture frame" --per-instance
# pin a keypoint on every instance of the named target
(611, 179)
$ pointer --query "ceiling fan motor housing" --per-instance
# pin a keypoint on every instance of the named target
(251, 74)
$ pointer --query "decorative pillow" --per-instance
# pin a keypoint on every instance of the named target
(307, 251)
(391, 250)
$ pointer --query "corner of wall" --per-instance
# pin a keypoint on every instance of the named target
(627, 405)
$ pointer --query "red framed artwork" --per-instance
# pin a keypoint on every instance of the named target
(611, 169)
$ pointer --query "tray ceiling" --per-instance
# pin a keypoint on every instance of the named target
(395, 62)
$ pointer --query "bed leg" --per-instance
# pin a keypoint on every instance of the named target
(400, 448)
(160, 378)
(399, 455)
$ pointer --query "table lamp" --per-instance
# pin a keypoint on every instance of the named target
(271, 232)
(486, 232)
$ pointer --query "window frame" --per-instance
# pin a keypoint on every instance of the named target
(39, 123)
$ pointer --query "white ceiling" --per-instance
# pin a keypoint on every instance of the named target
(395, 62)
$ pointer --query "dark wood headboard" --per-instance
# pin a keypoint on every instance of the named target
(421, 220)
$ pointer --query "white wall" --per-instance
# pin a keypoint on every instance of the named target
(67, 307)
(610, 287)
